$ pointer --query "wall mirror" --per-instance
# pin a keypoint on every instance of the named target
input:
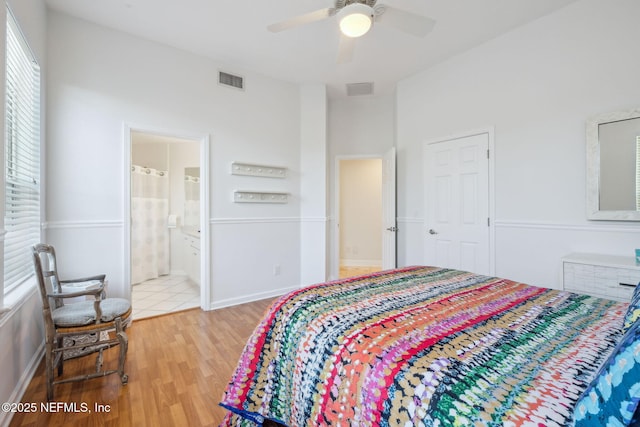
(613, 166)
(192, 197)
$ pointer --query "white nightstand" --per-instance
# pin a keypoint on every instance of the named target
(605, 276)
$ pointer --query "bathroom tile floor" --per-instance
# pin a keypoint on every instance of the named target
(165, 294)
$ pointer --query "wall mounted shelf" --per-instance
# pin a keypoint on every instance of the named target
(260, 197)
(238, 168)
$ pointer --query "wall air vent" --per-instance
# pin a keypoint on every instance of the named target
(356, 89)
(231, 80)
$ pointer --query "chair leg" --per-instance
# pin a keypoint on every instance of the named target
(49, 359)
(99, 361)
(60, 342)
(124, 345)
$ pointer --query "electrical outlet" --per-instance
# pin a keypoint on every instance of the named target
(276, 270)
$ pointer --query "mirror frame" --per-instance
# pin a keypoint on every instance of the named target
(593, 168)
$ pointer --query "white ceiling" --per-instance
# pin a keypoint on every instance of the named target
(234, 34)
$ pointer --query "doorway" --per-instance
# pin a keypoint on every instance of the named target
(166, 200)
(365, 205)
(458, 203)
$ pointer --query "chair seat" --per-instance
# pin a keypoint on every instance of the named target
(83, 313)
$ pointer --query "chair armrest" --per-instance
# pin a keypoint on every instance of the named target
(97, 292)
(84, 284)
(99, 277)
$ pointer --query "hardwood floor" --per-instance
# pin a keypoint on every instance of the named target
(178, 367)
(356, 271)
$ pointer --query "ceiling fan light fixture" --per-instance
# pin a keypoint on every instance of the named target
(356, 19)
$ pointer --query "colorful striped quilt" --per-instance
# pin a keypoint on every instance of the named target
(422, 346)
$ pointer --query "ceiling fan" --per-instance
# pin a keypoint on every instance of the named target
(356, 17)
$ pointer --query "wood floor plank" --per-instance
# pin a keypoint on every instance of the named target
(178, 367)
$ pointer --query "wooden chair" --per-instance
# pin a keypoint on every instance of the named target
(67, 326)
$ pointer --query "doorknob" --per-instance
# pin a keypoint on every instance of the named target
(432, 231)
(394, 228)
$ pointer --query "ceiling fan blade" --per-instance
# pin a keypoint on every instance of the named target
(345, 49)
(307, 18)
(408, 22)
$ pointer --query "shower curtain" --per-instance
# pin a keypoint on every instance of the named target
(149, 233)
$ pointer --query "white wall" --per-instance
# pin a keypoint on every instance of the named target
(361, 125)
(313, 184)
(21, 329)
(99, 80)
(153, 155)
(537, 85)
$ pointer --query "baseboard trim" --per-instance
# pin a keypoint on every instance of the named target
(229, 302)
(21, 387)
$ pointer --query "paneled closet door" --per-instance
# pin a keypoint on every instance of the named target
(457, 203)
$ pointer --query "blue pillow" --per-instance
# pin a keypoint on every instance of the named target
(633, 312)
(612, 397)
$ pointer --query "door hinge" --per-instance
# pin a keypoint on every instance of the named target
(488, 222)
(487, 153)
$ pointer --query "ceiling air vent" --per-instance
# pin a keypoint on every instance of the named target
(230, 80)
(356, 89)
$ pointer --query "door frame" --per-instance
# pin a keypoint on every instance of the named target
(335, 273)
(205, 235)
(490, 132)
(389, 209)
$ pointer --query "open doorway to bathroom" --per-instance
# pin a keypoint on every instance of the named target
(165, 224)
(360, 244)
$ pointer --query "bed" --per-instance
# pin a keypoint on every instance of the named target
(427, 346)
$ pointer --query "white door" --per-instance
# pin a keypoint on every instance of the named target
(457, 203)
(389, 210)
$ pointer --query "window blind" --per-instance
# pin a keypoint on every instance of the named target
(22, 158)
